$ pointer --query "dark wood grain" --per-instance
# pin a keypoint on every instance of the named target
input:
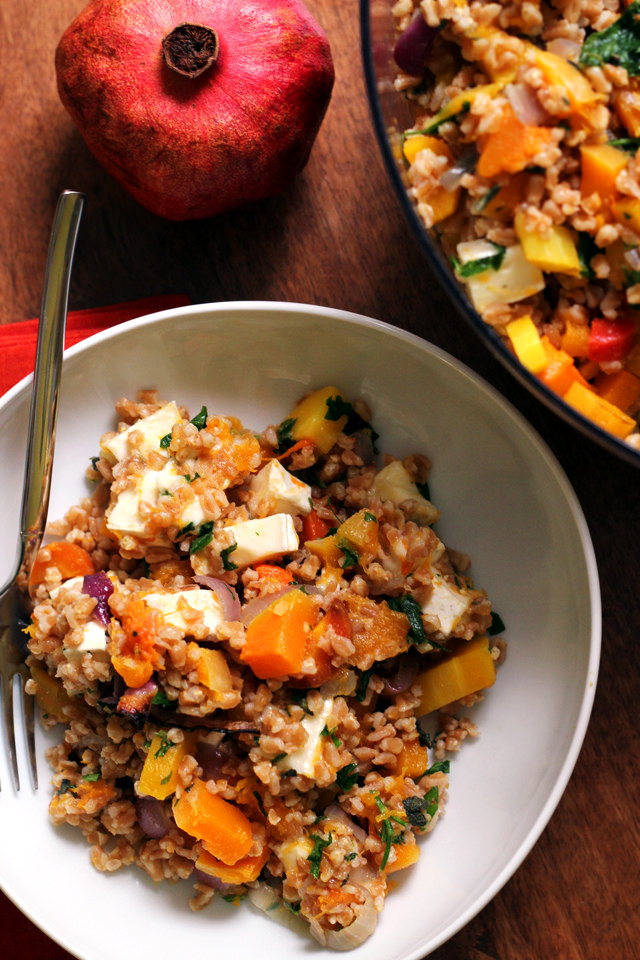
(337, 237)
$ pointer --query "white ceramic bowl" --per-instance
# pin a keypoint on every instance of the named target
(504, 499)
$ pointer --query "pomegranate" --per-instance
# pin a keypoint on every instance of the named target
(196, 106)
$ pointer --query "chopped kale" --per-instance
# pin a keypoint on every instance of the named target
(299, 697)
(200, 419)
(628, 144)
(472, 267)
(204, 538)
(497, 625)
(414, 808)
(439, 766)
(283, 433)
(618, 44)
(315, 857)
(224, 556)
(363, 684)
(346, 778)
(411, 609)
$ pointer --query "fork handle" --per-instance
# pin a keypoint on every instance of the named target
(46, 377)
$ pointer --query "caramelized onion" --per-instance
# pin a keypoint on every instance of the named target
(152, 817)
(226, 595)
(525, 103)
(99, 586)
(414, 44)
(356, 933)
(402, 677)
(201, 877)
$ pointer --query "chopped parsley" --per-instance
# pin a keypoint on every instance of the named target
(160, 699)
(165, 744)
(278, 757)
(438, 121)
(423, 737)
(204, 538)
(587, 250)
(440, 766)
(350, 856)
(346, 778)
(628, 144)
(92, 777)
(370, 517)
(618, 44)
(351, 555)
(337, 742)
(190, 478)
(66, 787)
(166, 779)
(484, 201)
(412, 611)
(497, 625)
(388, 833)
(472, 267)
(337, 407)
(293, 907)
(299, 697)
(283, 433)
(185, 530)
(165, 441)
(200, 419)
(431, 799)
(94, 462)
(315, 857)
(224, 556)
(363, 684)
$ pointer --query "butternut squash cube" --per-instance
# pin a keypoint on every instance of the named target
(225, 831)
(312, 419)
(601, 165)
(600, 411)
(361, 530)
(553, 252)
(213, 670)
(406, 855)
(50, 694)
(468, 670)
(327, 549)
(276, 639)
(413, 761)
(159, 777)
(244, 871)
(559, 72)
(627, 211)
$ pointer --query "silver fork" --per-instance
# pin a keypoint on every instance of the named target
(15, 607)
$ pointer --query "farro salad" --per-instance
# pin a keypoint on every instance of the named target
(523, 160)
(239, 633)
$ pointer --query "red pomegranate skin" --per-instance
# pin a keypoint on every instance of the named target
(189, 148)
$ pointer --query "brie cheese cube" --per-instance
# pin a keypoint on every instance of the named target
(294, 850)
(171, 607)
(261, 539)
(124, 517)
(150, 432)
(394, 483)
(276, 490)
(94, 640)
(71, 585)
(304, 759)
(446, 606)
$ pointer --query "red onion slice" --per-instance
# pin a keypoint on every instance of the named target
(403, 676)
(525, 103)
(201, 877)
(413, 45)
(254, 607)
(153, 817)
(227, 596)
(565, 48)
(212, 759)
(99, 586)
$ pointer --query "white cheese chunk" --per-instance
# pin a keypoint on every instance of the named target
(149, 432)
(394, 483)
(261, 539)
(276, 490)
(172, 607)
(294, 850)
(94, 640)
(445, 606)
(304, 759)
(514, 280)
(124, 516)
(70, 585)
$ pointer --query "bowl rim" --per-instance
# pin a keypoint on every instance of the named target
(595, 624)
(453, 289)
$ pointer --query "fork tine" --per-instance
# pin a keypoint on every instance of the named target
(9, 729)
(28, 713)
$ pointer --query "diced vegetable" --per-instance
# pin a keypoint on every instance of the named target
(138, 657)
(314, 527)
(89, 797)
(385, 633)
(560, 371)
(50, 693)
(70, 559)
(502, 204)
(621, 388)
(468, 670)
(244, 871)
(516, 279)
(272, 573)
(601, 165)
(223, 828)
(626, 104)
(559, 72)
(618, 44)
(337, 620)
(600, 411)
(313, 419)
(394, 483)
(511, 146)
(627, 211)
(276, 639)
(553, 252)
(327, 549)
(574, 340)
(458, 105)
(406, 854)
(361, 529)
(413, 761)
(610, 339)
(527, 344)
(159, 776)
(213, 670)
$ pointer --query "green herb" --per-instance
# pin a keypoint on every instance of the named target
(363, 683)
(497, 625)
(224, 556)
(346, 777)
(200, 419)
(486, 199)
(309, 475)
(473, 267)
(299, 697)
(587, 250)
(370, 517)
(618, 44)
(431, 800)
(278, 757)
(440, 766)
(288, 773)
(351, 856)
(204, 538)
(165, 441)
(166, 779)
(260, 803)
(233, 897)
(414, 808)
(147, 744)
(423, 490)
(66, 787)
(424, 738)
(166, 493)
(146, 568)
(628, 144)
(185, 530)
(412, 611)
(438, 123)
(337, 407)
(293, 907)
(320, 817)
(165, 744)
(315, 857)
(94, 462)
(387, 833)
(190, 478)
(92, 777)
(331, 733)
(356, 423)
(283, 433)
(160, 699)
(351, 555)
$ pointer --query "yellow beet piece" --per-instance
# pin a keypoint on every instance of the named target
(598, 409)
(469, 669)
(553, 252)
(213, 670)
(50, 694)
(225, 831)
(601, 165)
(159, 776)
(312, 421)
(327, 549)
(527, 344)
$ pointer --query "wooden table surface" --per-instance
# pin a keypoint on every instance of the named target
(337, 237)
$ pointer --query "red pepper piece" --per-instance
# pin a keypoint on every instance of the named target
(610, 339)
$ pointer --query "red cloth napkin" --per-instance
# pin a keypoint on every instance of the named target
(18, 340)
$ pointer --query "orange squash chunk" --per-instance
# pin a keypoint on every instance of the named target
(413, 761)
(244, 871)
(276, 639)
(221, 826)
(406, 855)
(378, 632)
(512, 146)
(71, 559)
